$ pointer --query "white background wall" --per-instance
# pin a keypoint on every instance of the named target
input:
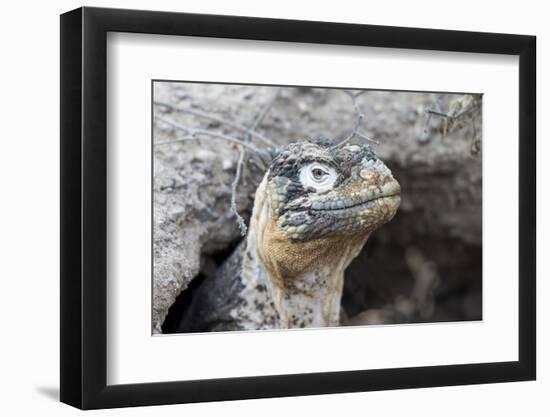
(29, 225)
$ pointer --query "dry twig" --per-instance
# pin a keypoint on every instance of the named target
(360, 118)
(249, 133)
(218, 119)
(265, 110)
(240, 221)
(193, 132)
(464, 105)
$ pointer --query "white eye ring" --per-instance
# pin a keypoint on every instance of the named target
(318, 176)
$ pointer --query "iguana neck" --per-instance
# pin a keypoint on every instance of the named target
(313, 297)
(255, 287)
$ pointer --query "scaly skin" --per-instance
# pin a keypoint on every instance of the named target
(313, 212)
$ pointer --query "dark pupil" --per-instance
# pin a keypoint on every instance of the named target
(318, 173)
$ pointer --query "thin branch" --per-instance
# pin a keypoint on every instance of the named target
(264, 111)
(361, 135)
(454, 116)
(240, 220)
(427, 124)
(476, 143)
(357, 94)
(218, 119)
(195, 132)
(451, 118)
(179, 139)
(437, 113)
(467, 110)
(360, 118)
(260, 117)
(240, 163)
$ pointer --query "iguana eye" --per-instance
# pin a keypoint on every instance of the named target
(318, 176)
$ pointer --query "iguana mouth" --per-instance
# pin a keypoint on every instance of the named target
(389, 190)
(360, 204)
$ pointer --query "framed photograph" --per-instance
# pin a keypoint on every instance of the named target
(258, 208)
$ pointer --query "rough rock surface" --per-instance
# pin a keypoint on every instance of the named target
(424, 265)
(192, 189)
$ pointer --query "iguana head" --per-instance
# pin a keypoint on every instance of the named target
(315, 208)
(317, 191)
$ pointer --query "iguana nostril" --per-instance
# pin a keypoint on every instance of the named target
(364, 174)
(392, 187)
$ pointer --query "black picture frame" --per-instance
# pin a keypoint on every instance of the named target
(84, 207)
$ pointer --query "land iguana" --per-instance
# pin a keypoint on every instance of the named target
(315, 208)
